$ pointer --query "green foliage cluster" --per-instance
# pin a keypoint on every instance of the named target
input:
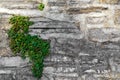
(41, 6)
(26, 45)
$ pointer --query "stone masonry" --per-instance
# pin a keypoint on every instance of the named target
(84, 37)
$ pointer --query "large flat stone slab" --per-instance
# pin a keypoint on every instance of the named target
(104, 34)
(13, 62)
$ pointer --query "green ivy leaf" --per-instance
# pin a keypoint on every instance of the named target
(41, 6)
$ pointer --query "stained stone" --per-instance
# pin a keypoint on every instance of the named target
(3, 39)
(109, 1)
(117, 17)
(104, 34)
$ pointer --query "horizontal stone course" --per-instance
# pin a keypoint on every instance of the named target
(13, 62)
(10, 0)
(54, 24)
(63, 78)
(58, 3)
(85, 10)
(52, 30)
(21, 5)
(109, 1)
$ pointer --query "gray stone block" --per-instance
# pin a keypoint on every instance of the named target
(13, 62)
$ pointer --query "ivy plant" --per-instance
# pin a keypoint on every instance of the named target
(22, 43)
(41, 6)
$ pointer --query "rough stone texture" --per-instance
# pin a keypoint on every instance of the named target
(105, 34)
(117, 17)
(109, 1)
(84, 36)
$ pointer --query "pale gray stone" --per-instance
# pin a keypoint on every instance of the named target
(13, 62)
(3, 39)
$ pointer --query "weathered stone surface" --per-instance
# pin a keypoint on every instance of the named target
(21, 5)
(109, 1)
(39, 19)
(25, 77)
(3, 39)
(90, 77)
(117, 17)
(63, 78)
(12, 62)
(59, 17)
(56, 9)
(103, 35)
(77, 3)
(59, 35)
(5, 51)
(84, 37)
(95, 20)
(99, 35)
(57, 30)
(25, 12)
(85, 10)
(6, 77)
(67, 75)
(69, 46)
(57, 3)
(10, 0)
(4, 47)
(66, 70)
(54, 24)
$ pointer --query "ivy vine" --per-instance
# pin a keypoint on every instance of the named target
(22, 43)
(41, 6)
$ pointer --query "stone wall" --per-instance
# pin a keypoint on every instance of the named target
(84, 35)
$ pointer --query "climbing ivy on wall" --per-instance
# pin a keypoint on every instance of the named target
(41, 6)
(26, 45)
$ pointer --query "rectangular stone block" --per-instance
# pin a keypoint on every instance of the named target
(60, 58)
(5, 71)
(67, 75)
(10, 0)
(59, 3)
(3, 39)
(5, 51)
(77, 3)
(96, 20)
(6, 77)
(117, 17)
(49, 70)
(86, 10)
(49, 31)
(66, 69)
(109, 1)
(53, 24)
(21, 5)
(57, 9)
(5, 17)
(13, 62)
(39, 19)
(65, 78)
(98, 35)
